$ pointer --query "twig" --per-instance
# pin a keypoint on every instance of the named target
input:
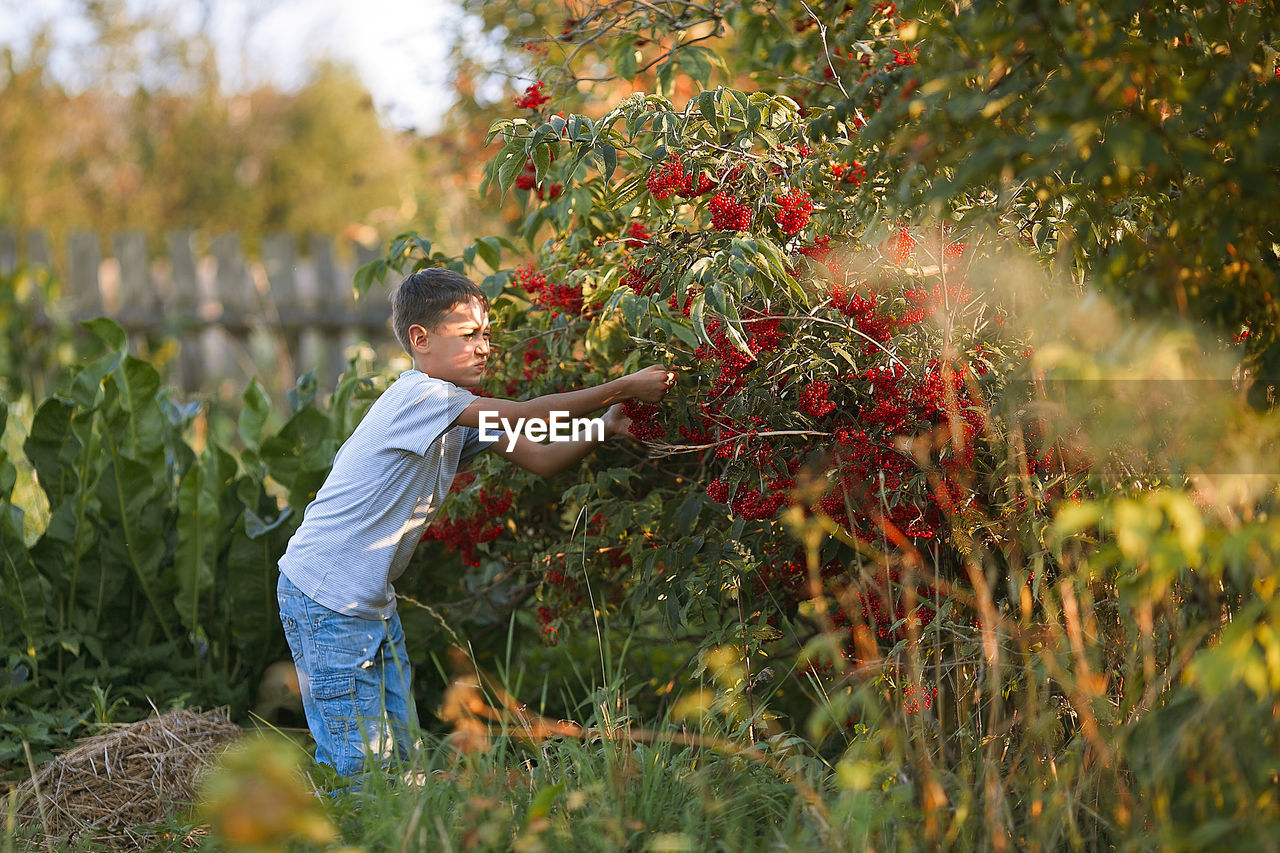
(658, 451)
(35, 784)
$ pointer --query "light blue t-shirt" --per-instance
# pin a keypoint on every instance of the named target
(386, 484)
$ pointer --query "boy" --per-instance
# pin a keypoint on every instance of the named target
(336, 600)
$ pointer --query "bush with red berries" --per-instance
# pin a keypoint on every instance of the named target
(834, 375)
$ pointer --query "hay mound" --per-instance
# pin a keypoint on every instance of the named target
(109, 787)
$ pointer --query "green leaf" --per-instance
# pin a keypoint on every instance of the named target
(254, 411)
(610, 477)
(132, 408)
(698, 315)
(109, 332)
(685, 334)
(303, 392)
(510, 163)
(493, 285)
(300, 456)
(541, 161)
(86, 387)
(52, 447)
(256, 526)
(196, 555)
(367, 274)
(707, 106)
(489, 250)
(626, 60)
(695, 62)
(609, 155)
(540, 805)
(634, 308)
(687, 515)
(133, 497)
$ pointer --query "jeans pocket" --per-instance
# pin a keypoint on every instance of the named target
(335, 695)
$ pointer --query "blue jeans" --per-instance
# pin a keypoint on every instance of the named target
(355, 680)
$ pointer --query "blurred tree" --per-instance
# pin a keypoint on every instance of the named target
(152, 141)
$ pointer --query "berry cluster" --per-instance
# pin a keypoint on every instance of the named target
(903, 57)
(814, 402)
(673, 301)
(874, 327)
(528, 177)
(917, 697)
(763, 334)
(560, 593)
(718, 491)
(924, 302)
(671, 178)
(533, 97)
(644, 425)
(666, 178)
(462, 535)
(553, 296)
(535, 365)
(898, 248)
(728, 213)
(642, 278)
(884, 606)
(795, 209)
(750, 503)
(788, 575)
(818, 250)
(528, 180)
(936, 414)
(547, 617)
(637, 235)
(854, 173)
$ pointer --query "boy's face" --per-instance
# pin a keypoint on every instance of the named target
(457, 349)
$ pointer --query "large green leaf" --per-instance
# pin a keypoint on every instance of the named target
(300, 455)
(198, 532)
(53, 449)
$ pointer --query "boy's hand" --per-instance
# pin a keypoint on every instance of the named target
(615, 422)
(651, 384)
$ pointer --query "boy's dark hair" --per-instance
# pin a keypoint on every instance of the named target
(424, 297)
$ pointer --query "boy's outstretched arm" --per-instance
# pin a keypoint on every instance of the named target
(649, 385)
(546, 459)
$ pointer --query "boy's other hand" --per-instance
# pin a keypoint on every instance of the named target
(651, 384)
(615, 421)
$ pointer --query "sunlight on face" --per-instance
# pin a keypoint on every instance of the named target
(456, 350)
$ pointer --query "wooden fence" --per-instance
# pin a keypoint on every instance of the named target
(279, 315)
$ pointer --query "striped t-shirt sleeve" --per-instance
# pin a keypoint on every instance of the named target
(473, 445)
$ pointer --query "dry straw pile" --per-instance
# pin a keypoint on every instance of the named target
(113, 786)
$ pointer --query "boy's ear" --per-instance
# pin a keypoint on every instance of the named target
(418, 337)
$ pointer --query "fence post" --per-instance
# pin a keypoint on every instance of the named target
(40, 274)
(38, 254)
(184, 298)
(84, 261)
(8, 251)
(279, 261)
(137, 297)
(240, 307)
(333, 308)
